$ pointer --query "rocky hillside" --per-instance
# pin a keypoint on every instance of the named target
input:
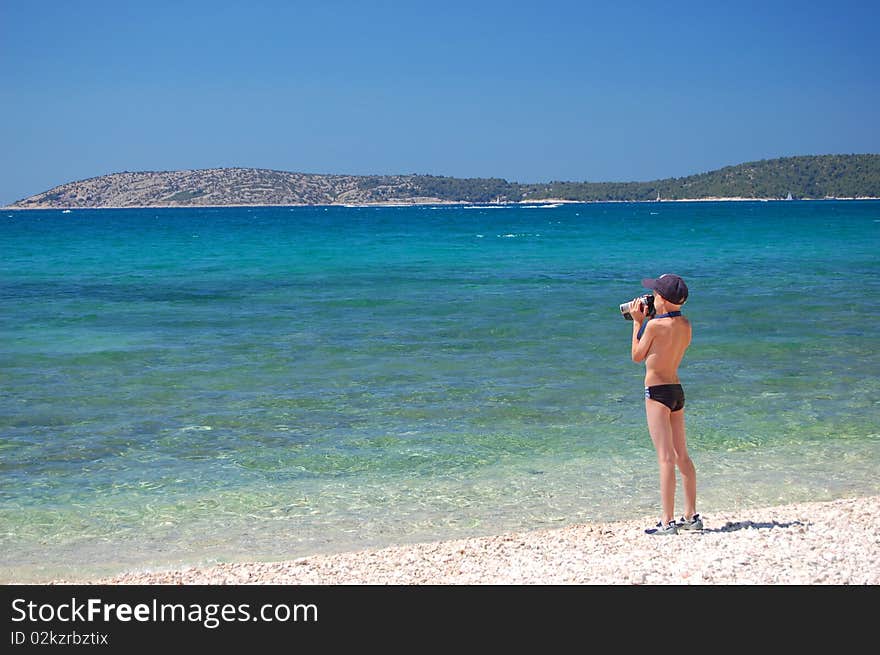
(821, 176)
(221, 186)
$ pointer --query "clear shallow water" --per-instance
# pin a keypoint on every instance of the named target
(198, 385)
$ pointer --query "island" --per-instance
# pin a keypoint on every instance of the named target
(813, 177)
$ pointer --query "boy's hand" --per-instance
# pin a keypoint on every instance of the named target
(637, 310)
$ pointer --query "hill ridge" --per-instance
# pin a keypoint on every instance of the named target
(803, 177)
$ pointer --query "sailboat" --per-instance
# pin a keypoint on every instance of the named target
(789, 196)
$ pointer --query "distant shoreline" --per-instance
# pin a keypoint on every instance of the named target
(402, 203)
(802, 177)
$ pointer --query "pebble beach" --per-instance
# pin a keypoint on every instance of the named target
(831, 543)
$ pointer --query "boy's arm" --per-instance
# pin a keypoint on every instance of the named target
(640, 347)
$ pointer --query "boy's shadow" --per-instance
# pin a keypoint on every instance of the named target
(731, 526)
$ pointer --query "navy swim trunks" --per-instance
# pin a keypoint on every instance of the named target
(671, 395)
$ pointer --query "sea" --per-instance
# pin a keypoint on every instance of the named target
(189, 386)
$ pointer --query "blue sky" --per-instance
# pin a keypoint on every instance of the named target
(525, 91)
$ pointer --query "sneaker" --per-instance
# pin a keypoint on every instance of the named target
(695, 523)
(669, 528)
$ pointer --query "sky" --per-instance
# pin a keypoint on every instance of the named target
(526, 91)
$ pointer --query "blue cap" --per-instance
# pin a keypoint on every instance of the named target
(670, 286)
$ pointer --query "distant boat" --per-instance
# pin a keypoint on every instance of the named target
(66, 211)
(658, 197)
(789, 196)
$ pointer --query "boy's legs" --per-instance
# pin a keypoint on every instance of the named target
(660, 428)
(685, 465)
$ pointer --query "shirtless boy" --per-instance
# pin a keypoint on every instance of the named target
(661, 343)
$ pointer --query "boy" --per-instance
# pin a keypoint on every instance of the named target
(661, 343)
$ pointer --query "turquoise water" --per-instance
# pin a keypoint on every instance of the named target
(186, 386)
